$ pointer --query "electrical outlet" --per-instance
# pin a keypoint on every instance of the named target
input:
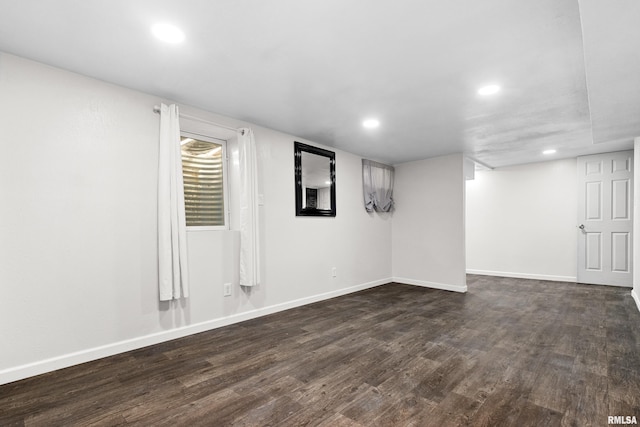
(227, 289)
(334, 272)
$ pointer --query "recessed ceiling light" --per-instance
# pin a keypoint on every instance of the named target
(489, 90)
(327, 182)
(548, 151)
(371, 123)
(167, 33)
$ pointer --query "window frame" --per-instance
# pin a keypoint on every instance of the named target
(225, 179)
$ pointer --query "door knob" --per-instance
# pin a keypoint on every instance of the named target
(581, 226)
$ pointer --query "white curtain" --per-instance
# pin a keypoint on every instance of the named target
(324, 198)
(377, 183)
(172, 229)
(249, 219)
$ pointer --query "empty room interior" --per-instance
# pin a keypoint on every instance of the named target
(331, 213)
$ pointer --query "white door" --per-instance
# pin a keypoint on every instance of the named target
(605, 219)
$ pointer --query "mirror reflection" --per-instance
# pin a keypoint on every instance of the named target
(315, 181)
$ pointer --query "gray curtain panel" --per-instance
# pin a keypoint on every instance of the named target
(377, 181)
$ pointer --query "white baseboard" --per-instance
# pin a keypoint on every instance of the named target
(76, 358)
(433, 285)
(524, 275)
(636, 297)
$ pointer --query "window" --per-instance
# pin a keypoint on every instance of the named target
(203, 170)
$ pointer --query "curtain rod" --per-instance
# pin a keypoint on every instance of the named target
(478, 162)
(156, 109)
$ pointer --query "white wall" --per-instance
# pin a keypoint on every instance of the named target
(521, 221)
(78, 269)
(428, 223)
(635, 292)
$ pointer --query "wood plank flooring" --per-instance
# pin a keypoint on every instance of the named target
(510, 352)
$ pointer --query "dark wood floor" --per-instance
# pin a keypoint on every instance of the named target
(509, 352)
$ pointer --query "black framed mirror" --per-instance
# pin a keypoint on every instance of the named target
(315, 176)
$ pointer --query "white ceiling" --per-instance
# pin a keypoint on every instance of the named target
(569, 69)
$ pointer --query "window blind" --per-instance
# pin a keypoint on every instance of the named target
(202, 170)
